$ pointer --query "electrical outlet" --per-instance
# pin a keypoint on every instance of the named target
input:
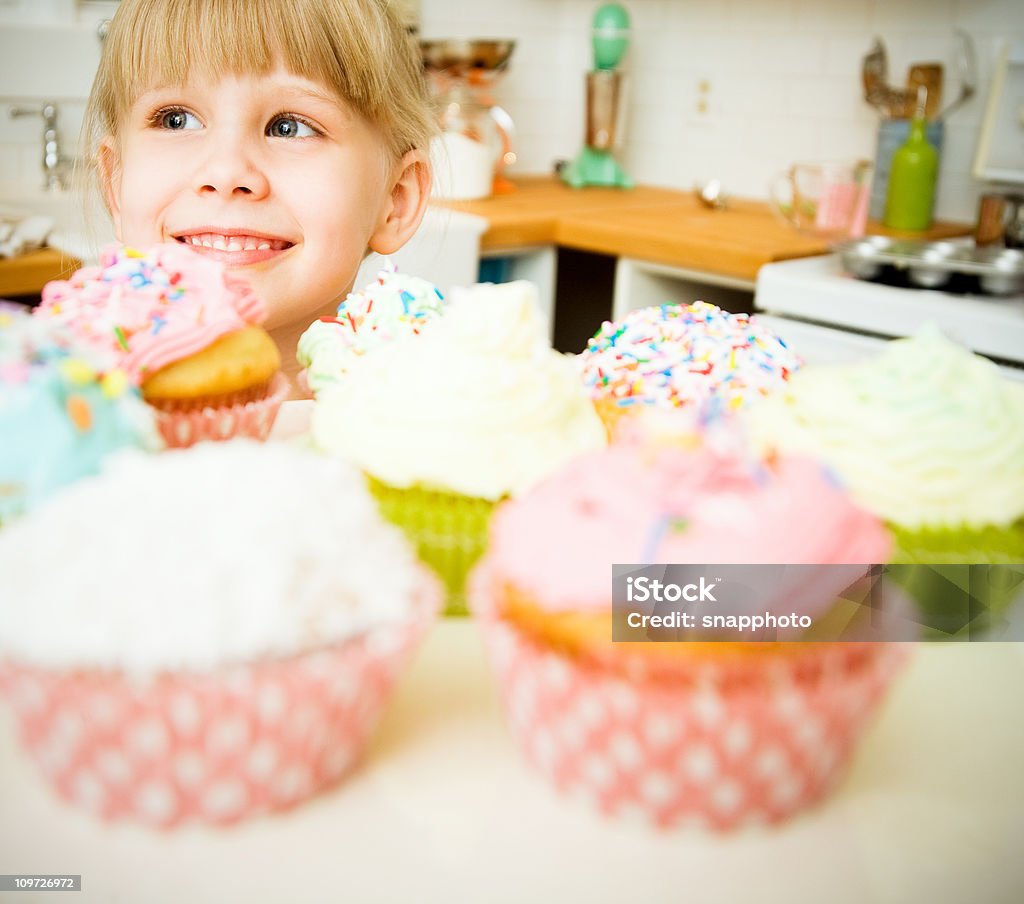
(703, 95)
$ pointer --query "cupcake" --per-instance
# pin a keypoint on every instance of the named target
(713, 734)
(185, 331)
(393, 305)
(927, 436)
(205, 668)
(676, 356)
(447, 423)
(63, 409)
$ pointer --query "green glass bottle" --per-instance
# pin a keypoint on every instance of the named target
(912, 177)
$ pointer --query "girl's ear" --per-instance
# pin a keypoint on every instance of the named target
(108, 162)
(405, 206)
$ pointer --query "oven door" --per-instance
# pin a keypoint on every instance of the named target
(818, 344)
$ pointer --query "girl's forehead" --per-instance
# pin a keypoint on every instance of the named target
(203, 78)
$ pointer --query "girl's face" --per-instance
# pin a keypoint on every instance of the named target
(271, 174)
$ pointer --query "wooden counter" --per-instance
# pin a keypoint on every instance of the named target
(27, 274)
(654, 224)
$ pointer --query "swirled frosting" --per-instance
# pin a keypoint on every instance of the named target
(149, 308)
(480, 404)
(145, 585)
(924, 434)
(63, 409)
(393, 305)
(692, 499)
(679, 355)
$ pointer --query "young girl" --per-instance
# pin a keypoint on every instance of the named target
(285, 138)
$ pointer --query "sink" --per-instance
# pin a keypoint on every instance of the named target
(81, 226)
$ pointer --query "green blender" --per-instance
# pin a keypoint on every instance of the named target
(596, 164)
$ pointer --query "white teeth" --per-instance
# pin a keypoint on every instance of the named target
(232, 242)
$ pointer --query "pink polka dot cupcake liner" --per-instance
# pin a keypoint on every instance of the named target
(740, 742)
(213, 748)
(251, 420)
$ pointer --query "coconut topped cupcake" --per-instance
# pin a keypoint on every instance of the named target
(479, 405)
(393, 305)
(680, 355)
(150, 308)
(268, 570)
(924, 434)
(63, 409)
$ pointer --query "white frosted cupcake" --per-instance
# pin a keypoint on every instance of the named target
(394, 305)
(476, 409)
(229, 642)
(929, 437)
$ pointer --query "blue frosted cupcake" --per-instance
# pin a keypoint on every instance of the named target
(62, 411)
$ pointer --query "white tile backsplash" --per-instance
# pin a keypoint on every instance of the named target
(783, 79)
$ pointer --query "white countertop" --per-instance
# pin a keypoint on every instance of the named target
(444, 809)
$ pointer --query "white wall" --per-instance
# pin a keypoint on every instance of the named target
(782, 79)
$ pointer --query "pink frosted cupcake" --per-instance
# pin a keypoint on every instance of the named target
(186, 332)
(205, 668)
(716, 734)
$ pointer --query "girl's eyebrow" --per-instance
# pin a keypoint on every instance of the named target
(315, 93)
(301, 89)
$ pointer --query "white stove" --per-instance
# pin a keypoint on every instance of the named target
(829, 316)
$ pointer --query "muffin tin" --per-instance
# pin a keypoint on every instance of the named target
(934, 265)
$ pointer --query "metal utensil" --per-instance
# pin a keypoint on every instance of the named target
(929, 77)
(967, 70)
(890, 102)
(712, 194)
(875, 76)
(453, 53)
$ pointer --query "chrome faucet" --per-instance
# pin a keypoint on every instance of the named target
(55, 165)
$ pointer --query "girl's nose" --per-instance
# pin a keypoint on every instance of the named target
(230, 171)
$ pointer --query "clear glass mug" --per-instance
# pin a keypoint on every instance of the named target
(829, 199)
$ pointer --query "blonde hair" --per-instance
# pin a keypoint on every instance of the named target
(356, 48)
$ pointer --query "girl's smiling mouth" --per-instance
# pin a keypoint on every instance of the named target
(233, 246)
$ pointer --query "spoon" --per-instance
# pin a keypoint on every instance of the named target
(712, 194)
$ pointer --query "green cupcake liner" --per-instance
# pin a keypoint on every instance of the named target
(448, 530)
(962, 579)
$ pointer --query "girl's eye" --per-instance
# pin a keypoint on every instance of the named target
(177, 120)
(289, 127)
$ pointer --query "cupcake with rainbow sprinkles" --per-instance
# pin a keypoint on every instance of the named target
(185, 330)
(394, 305)
(675, 356)
(64, 408)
